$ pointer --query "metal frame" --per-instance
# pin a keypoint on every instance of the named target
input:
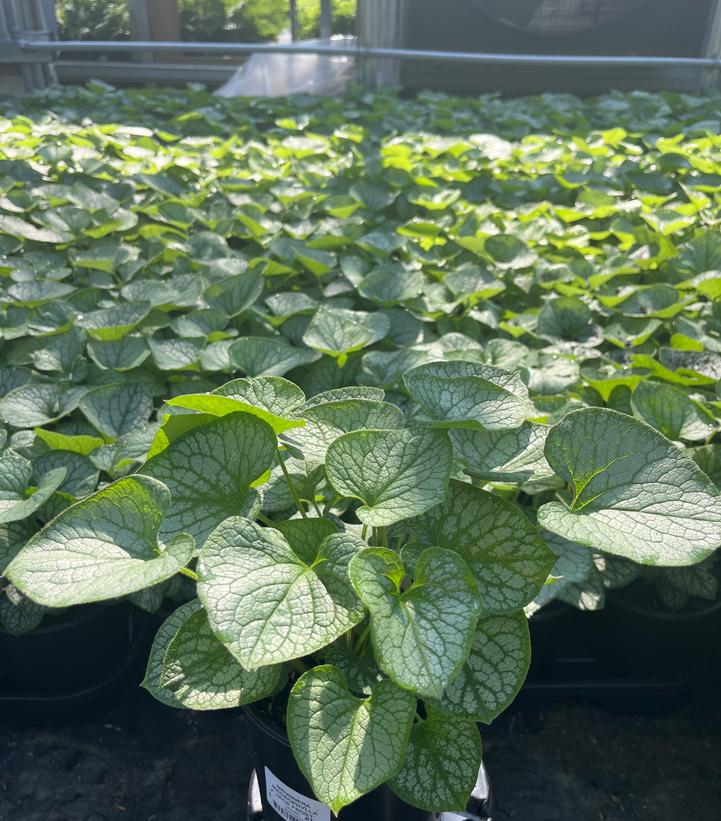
(23, 46)
(712, 49)
(26, 45)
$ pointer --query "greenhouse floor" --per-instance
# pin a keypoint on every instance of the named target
(140, 761)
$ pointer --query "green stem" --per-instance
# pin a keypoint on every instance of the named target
(291, 486)
(362, 638)
(191, 574)
(315, 506)
(364, 532)
(298, 666)
(266, 521)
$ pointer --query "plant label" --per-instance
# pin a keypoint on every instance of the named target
(292, 805)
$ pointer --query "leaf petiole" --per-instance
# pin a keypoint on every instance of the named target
(291, 486)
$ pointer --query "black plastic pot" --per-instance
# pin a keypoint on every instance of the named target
(71, 661)
(653, 641)
(622, 657)
(274, 760)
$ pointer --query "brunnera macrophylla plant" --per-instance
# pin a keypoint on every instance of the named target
(353, 563)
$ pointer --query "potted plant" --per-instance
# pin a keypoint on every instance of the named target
(376, 615)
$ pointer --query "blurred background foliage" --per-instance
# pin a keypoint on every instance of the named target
(224, 20)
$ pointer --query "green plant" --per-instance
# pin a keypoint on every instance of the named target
(392, 597)
(258, 20)
(91, 20)
(459, 354)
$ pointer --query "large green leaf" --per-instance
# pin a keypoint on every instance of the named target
(268, 356)
(514, 455)
(18, 499)
(395, 473)
(672, 412)
(175, 354)
(103, 547)
(347, 746)
(467, 394)
(441, 766)
(271, 398)
(502, 549)
(38, 403)
(116, 409)
(494, 672)
(236, 293)
(203, 675)
(269, 602)
(634, 493)
(166, 632)
(116, 322)
(325, 422)
(422, 634)
(338, 331)
(209, 471)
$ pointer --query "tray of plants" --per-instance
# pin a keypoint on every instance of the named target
(372, 382)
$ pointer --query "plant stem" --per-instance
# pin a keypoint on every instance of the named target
(291, 486)
(191, 574)
(315, 507)
(265, 520)
(364, 532)
(298, 666)
(362, 638)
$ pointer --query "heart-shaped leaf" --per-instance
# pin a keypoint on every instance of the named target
(347, 746)
(116, 322)
(116, 409)
(672, 412)
(494, 672)
(514, 455)
(271, 398)
(258, 591)
(421, 635)
(338, 331)
(441, 766)
(634, 493)
(209, 471)
(101, 548)
(166, 632)
(468, 394)
(268, 356)
(325, 422)
(502, 549)
(38, 403)
(17, 499)
(203, 675)
(395, 473)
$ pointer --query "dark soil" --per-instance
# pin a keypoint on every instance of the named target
(140, 761)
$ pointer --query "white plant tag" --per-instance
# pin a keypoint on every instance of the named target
(292, 805)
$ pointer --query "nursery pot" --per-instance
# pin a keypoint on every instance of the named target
(286, 795)
(655, 642)
(553, 629)
(72, 659)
